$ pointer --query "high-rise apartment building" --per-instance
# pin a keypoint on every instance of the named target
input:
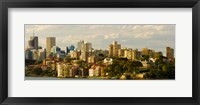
(170, 53)
(134, 55)
(33, 42)
(50, 42)
(114, 49)
(111, 50)
(121, 53)
(79, 44)
(85, 48)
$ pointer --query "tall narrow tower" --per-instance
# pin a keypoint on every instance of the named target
(50, 42)
(33, 41)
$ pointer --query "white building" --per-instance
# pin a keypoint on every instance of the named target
(97, 71)
(108, 61)
(60, 70)
(91, 72)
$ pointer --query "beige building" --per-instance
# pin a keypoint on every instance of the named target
(170, 53)
(50, 42)
(121, 53)
(134, 55)
(74, 54)
(85, 48)
(113, 49)
(130, 54)
(91, 59)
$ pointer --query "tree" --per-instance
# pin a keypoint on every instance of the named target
(145, 57)
(165, 68)
(37, 71)
(101, 55)
(137, 64)
(38, 62)
(100, 62)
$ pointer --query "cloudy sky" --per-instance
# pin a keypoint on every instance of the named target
(156, 37)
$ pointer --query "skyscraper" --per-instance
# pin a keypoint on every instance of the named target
(111, 50)
(67, 50)
(50, 42)
(33, 42)
(86, 47)
(170, 53)
(79, 44)
(114, 48)
(72, 48)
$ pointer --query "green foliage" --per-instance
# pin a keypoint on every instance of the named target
(100, 62)
(159, 69)
(121, 66)
(37, 71)
(165, 71)
(38, 62)
(101, 55)
(145, 57)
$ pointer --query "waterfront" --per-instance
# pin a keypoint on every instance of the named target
(77, 58)
(54, 78)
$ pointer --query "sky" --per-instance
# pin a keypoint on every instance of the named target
(153, 36)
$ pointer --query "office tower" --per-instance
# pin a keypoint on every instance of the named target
(86, 47)
(67, 50)
(79, 45)
(170, 53)
(33, 42)
(113, 49)
(41, 54)
(72, 48)
(50, 42)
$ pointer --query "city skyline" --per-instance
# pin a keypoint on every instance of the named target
(156, 37)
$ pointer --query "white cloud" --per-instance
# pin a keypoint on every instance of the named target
(111, 36)
(102, 35)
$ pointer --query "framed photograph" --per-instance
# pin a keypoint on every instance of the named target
(124, 52)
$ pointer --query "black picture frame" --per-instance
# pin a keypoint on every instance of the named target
(5, 4)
